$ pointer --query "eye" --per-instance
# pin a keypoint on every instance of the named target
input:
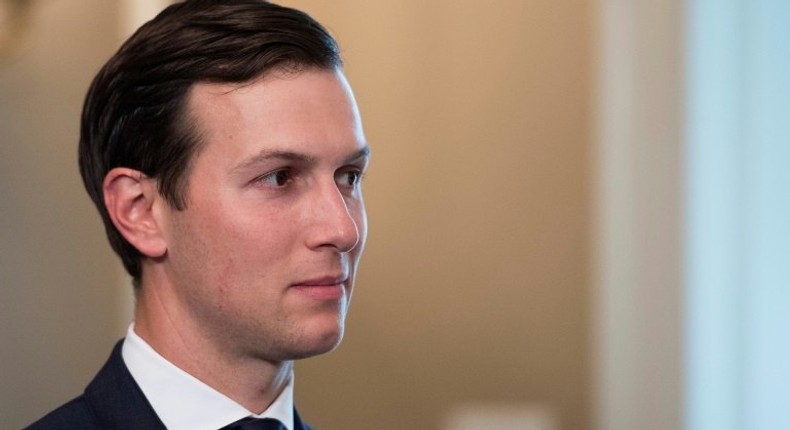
(350, 178)
(276, 179)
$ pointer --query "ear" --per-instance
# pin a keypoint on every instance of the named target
(129, 197)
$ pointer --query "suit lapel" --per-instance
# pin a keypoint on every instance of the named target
(117, 401)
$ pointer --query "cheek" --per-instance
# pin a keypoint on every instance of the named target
(208, 243)
(232, 240)
(254, 245)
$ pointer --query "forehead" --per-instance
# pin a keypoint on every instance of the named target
(282, 107)
(312, 113)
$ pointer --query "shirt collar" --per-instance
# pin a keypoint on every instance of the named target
(184, 402)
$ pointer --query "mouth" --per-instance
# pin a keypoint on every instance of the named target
(322, 288)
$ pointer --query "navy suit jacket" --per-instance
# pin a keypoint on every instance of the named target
(113, 400)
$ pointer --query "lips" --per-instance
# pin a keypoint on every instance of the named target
(324, 281)
(322, 288)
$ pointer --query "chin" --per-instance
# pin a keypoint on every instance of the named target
(321, 342)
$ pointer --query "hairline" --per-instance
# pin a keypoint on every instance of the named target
(190, 126)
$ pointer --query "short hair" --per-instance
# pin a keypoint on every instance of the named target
(135, 112)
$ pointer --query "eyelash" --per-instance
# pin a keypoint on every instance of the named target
(280, 182)
(359, 175)
(266, 179)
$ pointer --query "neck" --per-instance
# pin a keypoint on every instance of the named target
(250, 381)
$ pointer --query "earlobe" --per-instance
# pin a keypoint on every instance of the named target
(129, 197)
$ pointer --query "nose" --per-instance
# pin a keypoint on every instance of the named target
(333, 224)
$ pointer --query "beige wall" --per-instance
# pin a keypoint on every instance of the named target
(475, 284)
(59, 285)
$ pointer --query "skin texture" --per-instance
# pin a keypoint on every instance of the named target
(258, 270)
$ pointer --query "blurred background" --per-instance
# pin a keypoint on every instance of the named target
(578, 214)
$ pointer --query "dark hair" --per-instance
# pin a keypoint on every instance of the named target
(135, 110)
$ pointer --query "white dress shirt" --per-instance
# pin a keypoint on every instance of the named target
(182, 401)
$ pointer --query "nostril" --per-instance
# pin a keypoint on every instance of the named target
(336, 221)
(346, 236)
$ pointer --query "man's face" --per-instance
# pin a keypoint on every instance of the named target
(263, 258)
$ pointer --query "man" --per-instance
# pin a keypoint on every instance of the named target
(224, 150)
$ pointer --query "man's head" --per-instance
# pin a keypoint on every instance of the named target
(224, 149)
(135, 111)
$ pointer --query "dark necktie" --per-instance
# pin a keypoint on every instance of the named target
(251, 423)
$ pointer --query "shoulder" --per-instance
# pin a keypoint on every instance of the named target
(73, 415)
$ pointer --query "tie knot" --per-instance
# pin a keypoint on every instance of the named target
(251, 423)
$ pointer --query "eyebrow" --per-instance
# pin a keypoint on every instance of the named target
(273, 154)
(363, 152)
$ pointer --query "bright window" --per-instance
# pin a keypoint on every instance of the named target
(738, 215)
